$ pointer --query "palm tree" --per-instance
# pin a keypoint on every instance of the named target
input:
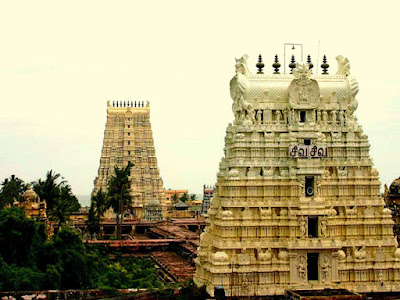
(11, 189)
(100, 202)
(98, 206)
(49, 189)
(58, 195)
(119, 192)
(175, 197)
(60, 211)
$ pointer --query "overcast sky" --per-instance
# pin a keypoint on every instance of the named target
(60, 61)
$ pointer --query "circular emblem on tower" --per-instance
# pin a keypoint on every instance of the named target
(303, 91)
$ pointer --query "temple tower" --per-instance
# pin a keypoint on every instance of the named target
(297, 202)
(128, 138)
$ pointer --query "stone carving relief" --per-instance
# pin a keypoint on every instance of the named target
(283, 256)
(265, 213)
(325, 265)
(221, 257)
(303, 226)
(341, 255)
(359, 254)
(323, 227)
(302, 268)
(243, 111)
(206, 238)
(233, 173)
(342, 172)
(265, 256)
(379, 255)
(303, 91)
(227, 215)
(241, 65)
(247, 214)
(268, 172)
(343, 66)
(244, 257)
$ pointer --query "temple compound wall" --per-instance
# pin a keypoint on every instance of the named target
(128, 138)
(297, 202)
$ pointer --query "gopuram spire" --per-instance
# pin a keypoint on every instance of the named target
(128, 138)
(297, 203)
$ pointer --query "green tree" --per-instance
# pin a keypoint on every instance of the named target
(49, 189)
(175, 197)
(193, 197)
(119, 193)
(68, 260)
(58, 195)
(184, 197)
(21, 238)
(98, 206)
(29, 262)
(11, 188)
(64, 205)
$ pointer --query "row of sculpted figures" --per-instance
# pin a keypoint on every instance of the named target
(292, 116)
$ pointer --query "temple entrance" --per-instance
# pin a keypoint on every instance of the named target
(312, 266)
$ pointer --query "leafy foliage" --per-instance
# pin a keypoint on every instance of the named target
(118, 187)
(20, 238)
(58, 195)
(11, 188)
(118, 192)
(98, 206)
(175, 198)
(184, 197)
(29, 262)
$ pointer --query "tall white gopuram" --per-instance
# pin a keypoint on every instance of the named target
(297, 203)
(128, 138)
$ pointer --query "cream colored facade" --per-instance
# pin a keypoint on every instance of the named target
(128, 138)
(297, 203)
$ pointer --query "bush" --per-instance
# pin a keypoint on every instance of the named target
(29, 262)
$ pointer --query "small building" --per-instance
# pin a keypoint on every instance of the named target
(208, 192)
(153, 211)
(169, 194)
(181, 210)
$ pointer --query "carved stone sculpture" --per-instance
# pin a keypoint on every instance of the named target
(325, 265)
(303, 226)
(320, 216)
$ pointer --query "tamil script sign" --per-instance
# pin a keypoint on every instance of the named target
(308, 151)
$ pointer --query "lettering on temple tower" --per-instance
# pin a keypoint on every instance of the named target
(297, 202)
(128, 138)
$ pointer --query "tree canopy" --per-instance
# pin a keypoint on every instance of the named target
(28, 261)
(98, 205)
(184, 197)
(58, 195)
(118, 192)
(11, 189)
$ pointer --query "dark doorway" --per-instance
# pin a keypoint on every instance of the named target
(309, 186)
(302, 116)
(313, 226)
(312, 266)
